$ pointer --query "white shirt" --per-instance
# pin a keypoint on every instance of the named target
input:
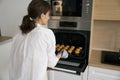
(32, 54)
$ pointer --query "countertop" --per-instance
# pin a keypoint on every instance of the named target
(95, 60)
(4, 39)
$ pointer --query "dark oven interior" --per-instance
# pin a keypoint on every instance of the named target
(76, 43)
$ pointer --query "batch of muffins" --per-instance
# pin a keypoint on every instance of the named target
(69, 49)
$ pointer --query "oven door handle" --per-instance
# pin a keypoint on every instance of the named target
(65, 71)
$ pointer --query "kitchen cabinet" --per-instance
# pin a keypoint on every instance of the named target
(106, 9)
(66, 76)
(57, 75)
(96, 73)
(5, 48)
(105, 35)
(105, 27)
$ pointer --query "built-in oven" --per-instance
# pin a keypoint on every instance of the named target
(70, 21)
(70, 14)
(76, 43)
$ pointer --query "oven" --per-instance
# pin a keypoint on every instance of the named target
(76, 43)
(70, 21)
(70, 14)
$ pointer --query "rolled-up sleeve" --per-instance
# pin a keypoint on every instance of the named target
(52, 59)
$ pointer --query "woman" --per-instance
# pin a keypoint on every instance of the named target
(33, 48)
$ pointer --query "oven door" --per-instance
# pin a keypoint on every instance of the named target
(75, 62)
(71, 67)
(67, 8)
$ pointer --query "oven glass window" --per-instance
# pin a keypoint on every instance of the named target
(67, 8)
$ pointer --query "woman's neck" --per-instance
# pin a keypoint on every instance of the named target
(39, 21)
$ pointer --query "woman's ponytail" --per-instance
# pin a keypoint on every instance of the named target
(35, 9)
(27, 24)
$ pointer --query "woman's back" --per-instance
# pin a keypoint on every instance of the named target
(29, 53)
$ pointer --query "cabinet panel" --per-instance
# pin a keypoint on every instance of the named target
(106, 35)
(106, 9)
(4, 60)
(65, 76)
(56, 75)
(103, 74)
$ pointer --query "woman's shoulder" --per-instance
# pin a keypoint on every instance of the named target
(46, 31)
(49, 32)
(39, 32)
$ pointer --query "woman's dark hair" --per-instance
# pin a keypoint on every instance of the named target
(35, 9)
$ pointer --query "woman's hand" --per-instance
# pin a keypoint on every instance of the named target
(59, 55)
(63, 54)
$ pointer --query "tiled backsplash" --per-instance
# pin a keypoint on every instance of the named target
(106, 35)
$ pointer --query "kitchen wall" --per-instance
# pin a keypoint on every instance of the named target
(11, 14)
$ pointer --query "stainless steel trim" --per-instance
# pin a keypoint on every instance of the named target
(65, 70)
(68, 63)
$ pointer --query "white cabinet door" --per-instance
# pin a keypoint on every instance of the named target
(4, 60)
(50, 75)
(103, 74)
(57, 75)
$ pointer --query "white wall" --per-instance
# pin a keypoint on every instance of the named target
(11, 14)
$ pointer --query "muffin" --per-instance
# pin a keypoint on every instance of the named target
(60, 47)
(78, 50)
(66, 47)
